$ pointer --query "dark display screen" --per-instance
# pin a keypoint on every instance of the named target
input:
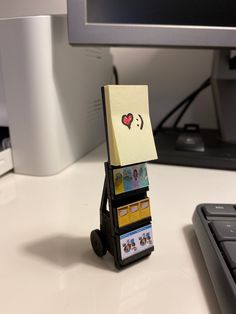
(163, 12)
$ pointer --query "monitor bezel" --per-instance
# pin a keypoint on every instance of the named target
(83, 33)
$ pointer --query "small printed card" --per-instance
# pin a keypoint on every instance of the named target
(130, 178)
(133, 212)
(136, 241)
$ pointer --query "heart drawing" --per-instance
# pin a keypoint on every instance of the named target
(127, 119)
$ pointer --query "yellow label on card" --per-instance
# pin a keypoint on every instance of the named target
(130, 137)
(145, 208)
(123, 216)
(133, 212)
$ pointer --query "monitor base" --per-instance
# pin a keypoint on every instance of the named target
(217, 154)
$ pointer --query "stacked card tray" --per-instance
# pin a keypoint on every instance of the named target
(129, 213)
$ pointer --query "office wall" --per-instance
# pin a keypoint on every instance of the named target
(31, 7)
(170, 73)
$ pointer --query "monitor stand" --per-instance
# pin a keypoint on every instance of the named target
(217, 154)
(220, 145)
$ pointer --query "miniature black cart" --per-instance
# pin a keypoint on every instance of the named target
(125, 217)
(121, 241)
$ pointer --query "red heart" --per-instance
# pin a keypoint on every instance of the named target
(127, 119)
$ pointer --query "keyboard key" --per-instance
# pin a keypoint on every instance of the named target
(224, 230)
(219, 210)
(229, 248)
(216, 235)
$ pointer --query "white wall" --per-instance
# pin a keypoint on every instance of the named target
(170, 73)
(9, 8)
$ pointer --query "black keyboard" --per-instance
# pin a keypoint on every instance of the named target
(215, 227)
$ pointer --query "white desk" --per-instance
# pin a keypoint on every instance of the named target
(47, 265)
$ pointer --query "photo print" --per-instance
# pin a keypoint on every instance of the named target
(136, 241)
(130, 178)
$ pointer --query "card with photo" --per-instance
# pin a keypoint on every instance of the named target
(118, 181)
(127, 177)
(130, 178)
(136, 241)
(135, 178)
(143, 177)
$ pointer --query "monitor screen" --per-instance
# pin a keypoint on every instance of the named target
(163, 12)
(176, 23)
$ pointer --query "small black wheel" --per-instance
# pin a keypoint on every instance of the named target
(97, 243)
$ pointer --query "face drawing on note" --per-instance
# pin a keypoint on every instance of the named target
(129, 128)
(139, 122)
(128, 120)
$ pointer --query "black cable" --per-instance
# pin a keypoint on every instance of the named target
(116, 75)
(189, 102)
(189, 99)
(159, 126)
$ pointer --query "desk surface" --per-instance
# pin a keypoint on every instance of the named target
(48, 266)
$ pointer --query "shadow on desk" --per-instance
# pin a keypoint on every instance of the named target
(99, 154)
(201, 269)
(65, 251)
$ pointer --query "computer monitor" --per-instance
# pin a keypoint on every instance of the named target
(195, 23)
(172, 23)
